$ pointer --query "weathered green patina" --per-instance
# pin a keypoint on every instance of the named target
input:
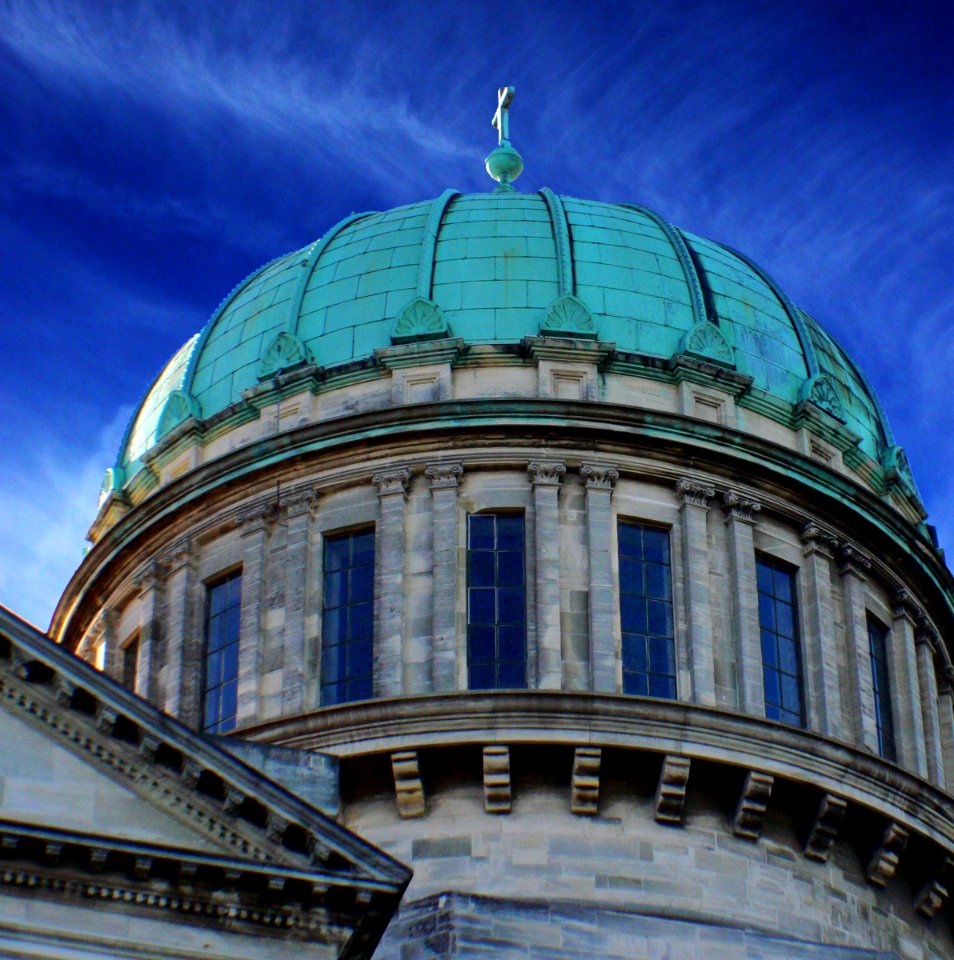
(498, 268)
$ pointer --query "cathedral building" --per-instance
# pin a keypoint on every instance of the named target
(501, 575)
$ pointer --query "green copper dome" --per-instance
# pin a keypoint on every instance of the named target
(497, 268)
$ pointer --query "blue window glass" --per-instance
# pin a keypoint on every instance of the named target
(223, 605)
(781, 649)
(496, 602)
(347, 622)
(645, 607)
(878, 645)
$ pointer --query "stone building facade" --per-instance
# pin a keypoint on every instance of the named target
(590, 558)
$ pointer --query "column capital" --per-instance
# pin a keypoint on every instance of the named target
(598, 476)
(906, 608)
(181, 554)
(300, 502)
(444, 474)
(150, 576)
(257, 516)
(738, 506)
(852, 560)
(694, 491)
(392, 482)
(926, 634)
(816, 539)
(546, 473)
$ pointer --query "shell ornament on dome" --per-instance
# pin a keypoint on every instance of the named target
(822, 392)
(707, 341)
(178, 408)
(568, 317)
(421, 319)
(283, 353)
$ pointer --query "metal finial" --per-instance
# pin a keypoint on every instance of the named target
(504, 164)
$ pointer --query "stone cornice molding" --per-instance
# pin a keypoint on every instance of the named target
(392, 482)
(546, 473)
(852, 560)
(739, 506)
(444, 475)
(598, 476)
(694, 492)
(816, 539)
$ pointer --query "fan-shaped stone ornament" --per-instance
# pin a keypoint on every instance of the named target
(178, 408)
(283, 353)
(894, 458)
(421, 319)
(568, 317)
(707, 341)
(822, 392)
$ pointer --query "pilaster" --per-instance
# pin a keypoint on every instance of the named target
(945, 710)
(740, 523)
(546, 476)
(905, 688)
(599, 479)
(695, 495)
(298, 508)
(149, 581)
(444, 478)
(254, 523)
(181, 675)
(853, 567)
(389, 541)
(823, 690)
(926, 638)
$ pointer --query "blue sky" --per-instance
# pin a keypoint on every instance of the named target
(154, 153)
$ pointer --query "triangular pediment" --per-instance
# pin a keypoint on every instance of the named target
(91, 769)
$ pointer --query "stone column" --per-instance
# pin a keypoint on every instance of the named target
(109, 638)
(823, 689)
(945, 710)
(694, 511)
(740, 525)
(905, 689)
(298, 576)
(444, 479)
(546, 521)
(926, 640)
(853, 567)
(389, 582)
(149, 582)
(599, 479)
(254, 523)
(181, 675)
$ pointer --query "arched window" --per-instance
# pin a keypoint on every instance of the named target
(347, 621)
(781, 653)
(496, 602)
(645, 607)
(223, 602)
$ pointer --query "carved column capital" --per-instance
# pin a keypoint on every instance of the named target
(694, 492)
(444, 474)
(150, 576)
(926, 634)
(738, 506)
(181, 554)
(816, 539)
(546, 473)
(905, 607)
(598, 476)
(852, 560)
(257, 516)
(300, 502)
(392, 482)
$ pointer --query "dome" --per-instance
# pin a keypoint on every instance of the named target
(496, 269)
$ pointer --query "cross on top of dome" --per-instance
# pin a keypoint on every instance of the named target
(504, 164)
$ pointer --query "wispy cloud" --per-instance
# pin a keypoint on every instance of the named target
(47, 500)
